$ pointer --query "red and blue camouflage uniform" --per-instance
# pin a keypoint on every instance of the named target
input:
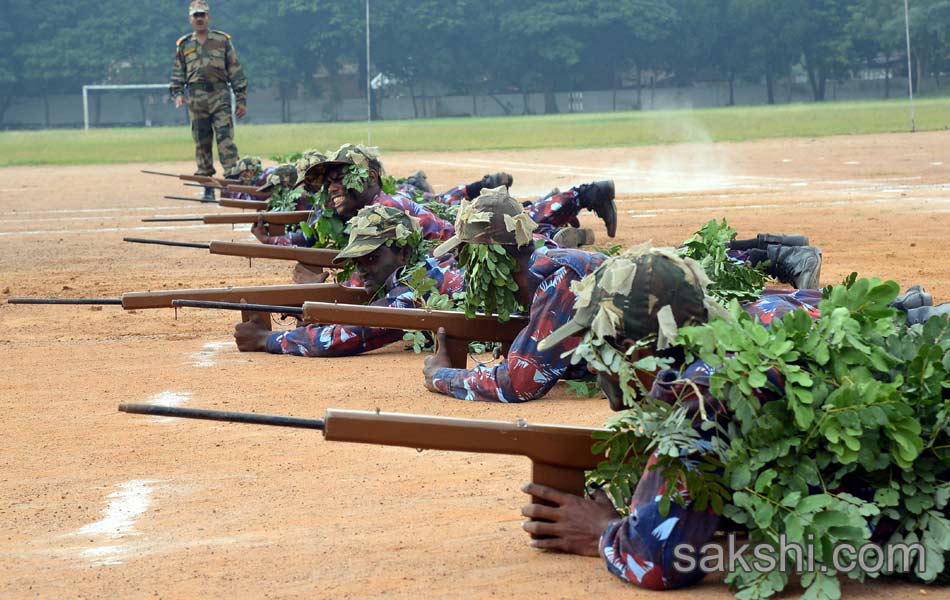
(258, 182)
(527, 373)
(549, 212)
(433, 228)
(639, 549)
(344, 340)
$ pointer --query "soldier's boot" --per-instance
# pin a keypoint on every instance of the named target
(799, 266)
(764, 240)
(497, 180)
(923, 313)
(915, 297)
(574, 237)
(420, 181)
(599, 197)
(209, 193)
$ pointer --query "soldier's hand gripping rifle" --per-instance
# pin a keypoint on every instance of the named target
(289, 296)
(559, 455)
(312, 257)
(459, 329)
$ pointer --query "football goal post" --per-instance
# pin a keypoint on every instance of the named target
(163, 87)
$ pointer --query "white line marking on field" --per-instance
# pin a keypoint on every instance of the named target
(853, 162)
(936, 164)
(642, 216)
(786, 160)
(893, 201)
(106, 230)
(168, 399)
(205, 358)
(126, 505)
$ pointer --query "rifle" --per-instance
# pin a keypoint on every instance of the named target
(290, 295)
(459, 329)
(271, 218)
(205, 180)
(248, 189)
(314, 257)
(187, 199)
(247, 204)
(559, 454)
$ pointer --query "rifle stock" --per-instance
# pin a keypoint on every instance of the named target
(283, 295)
(245, 204)
(314, 257)
(202, 179)
(247, 189)
(275, 218)
(459, 329)
(559, 455)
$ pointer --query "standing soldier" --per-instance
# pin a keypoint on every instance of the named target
(206, 62)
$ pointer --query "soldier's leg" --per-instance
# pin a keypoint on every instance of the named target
(224, 129)
(202, 133)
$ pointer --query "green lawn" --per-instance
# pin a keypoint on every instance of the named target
(557, 131)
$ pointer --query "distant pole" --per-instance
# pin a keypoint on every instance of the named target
(369, 89)
(910, 73)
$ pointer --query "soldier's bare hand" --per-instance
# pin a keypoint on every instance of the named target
(259, 230)
(439, 360)
(304, 274)
(240, 111)
(573, 524)
(179, 100)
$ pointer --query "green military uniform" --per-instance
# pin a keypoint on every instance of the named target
(206, 69)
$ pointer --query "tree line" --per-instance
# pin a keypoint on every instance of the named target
(479, 46)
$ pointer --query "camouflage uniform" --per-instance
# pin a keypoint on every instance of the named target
(207, 69)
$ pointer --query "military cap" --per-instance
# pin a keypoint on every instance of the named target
(284, 175)
(375, 225)
(644, 291)
(492, 218)
(198, 6)
(308, 159)
(248, 163)
(348, 154)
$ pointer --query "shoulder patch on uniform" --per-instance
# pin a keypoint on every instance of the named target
(182, 39)
(222, 33)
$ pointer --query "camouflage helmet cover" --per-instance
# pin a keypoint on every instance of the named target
(644, 291)
(248, 163)
(348, 154)
(375, 225)
(308, 159)
(492, 218)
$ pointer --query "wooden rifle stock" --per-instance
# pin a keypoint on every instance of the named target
(245, 204)
(275, 218)
(559, 454)
(459, 329)
(247, 189)
(284, 295)
(314, 257)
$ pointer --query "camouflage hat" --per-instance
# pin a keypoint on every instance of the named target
(284, 175)
(308, 159)
(198, 6)
(375, 225)
(348, 154)
(248, 163)
(492, 218)
(644, 291)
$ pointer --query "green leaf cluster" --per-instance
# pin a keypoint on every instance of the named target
(837, 428)
(731, 280)
(355, 177)
(489, 280)
(284, 199)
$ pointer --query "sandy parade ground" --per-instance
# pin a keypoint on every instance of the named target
(96, 503)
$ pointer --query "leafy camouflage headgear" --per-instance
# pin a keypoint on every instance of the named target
(198, 6)
(644, 291)
(348, 154)
(492, 218)
(248, 163)
(375, 225)
(284, 175)
(308, 159)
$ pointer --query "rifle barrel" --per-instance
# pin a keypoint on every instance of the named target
(95, 301)
(171, 219)
(159, 173)
(242, 306)
(167, 243)
(221, 415)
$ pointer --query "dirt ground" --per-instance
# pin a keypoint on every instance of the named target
(96, 503)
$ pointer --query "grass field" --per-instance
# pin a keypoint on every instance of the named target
(575, 131)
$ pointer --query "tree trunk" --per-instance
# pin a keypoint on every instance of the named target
(732, 89)
(46, 110)
(98, 120)
(652, 91)
(474, 105)
(524, 98)
(614, 95)
(887, 81)
(5, 102)
(142, 108)
(639, 88)
(412, 93)
(770, 84)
